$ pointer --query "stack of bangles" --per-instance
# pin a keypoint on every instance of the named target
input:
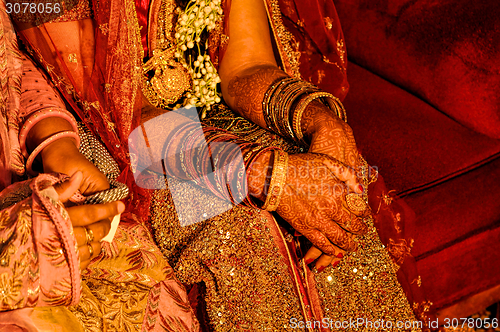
(36, 118)
(222, 163)
(285, 102)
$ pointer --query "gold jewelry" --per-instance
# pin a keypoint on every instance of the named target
(327, 98)
(278, 179)
(91, 250)
(355, 203)
(170, 79)
(89, 235)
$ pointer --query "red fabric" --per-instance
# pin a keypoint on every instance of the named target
(451, 177)
(457, 235)
(322, 50)
(142, 15)
(445, 51)
(413, 144)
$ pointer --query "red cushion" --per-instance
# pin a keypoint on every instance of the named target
(445, 51)
(450, 176)
(413, 145)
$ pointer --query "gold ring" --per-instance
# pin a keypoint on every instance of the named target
(91, 250)
(89, 235)
(355, 203)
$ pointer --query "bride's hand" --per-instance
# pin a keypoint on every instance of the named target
(62, 156)
(313, 202)
(331, 136)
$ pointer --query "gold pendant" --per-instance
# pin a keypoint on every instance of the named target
(170, 79)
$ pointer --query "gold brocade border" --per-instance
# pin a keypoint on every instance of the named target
(154, 12)
(135, 46)
(284, 40)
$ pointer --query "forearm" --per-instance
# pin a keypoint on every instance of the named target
(42, 113)
(245, 91)
(216, 160)
(248, 67)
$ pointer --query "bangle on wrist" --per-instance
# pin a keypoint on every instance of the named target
(328, 99)
(39, 116)
(47, 142)
(285, 102)
(278, 180)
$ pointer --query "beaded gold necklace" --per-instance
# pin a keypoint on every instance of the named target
(170, 79)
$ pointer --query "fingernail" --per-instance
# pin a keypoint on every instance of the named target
(360, 188)
(320, 269)
(121, 207)
(309, 261)
(336, 263)
(341, 255)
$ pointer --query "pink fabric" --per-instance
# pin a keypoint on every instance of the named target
(10, 78)
(17, 321)
(37, 241)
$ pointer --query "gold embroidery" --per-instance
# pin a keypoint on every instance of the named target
(72, 58)
(418, 281)
(421, 309)
(247, 283)
(104, 28)
(341, 51)
(400, 249)
(328, 23)
(370, 274)
(284, 40)
(111, 306)
(224, 39)
(321, 75)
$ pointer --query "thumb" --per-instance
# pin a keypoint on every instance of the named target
(67, 188)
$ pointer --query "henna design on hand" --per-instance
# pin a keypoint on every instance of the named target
(313, 204)
(247, 92)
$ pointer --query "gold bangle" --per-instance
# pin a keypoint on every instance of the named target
(278, 180)
(332, 102)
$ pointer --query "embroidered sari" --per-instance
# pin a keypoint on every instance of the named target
(242, 268)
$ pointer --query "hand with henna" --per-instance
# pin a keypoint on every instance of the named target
(313, 203)
(328, 135)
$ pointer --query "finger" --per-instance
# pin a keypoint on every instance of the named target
(84, 264)
(67, 188)
(340, 238)
(85, 253)
(312, 254)
(344, 173)
(84, 215)
(324, 261)
(320, 241)
(100, 229)
(351, 222)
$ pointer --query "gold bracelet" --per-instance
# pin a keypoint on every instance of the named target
(278, 180)
(332, 102)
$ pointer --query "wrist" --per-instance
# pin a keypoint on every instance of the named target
(44, 129)
(316, 116)
(258, 174)
(57, 152)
